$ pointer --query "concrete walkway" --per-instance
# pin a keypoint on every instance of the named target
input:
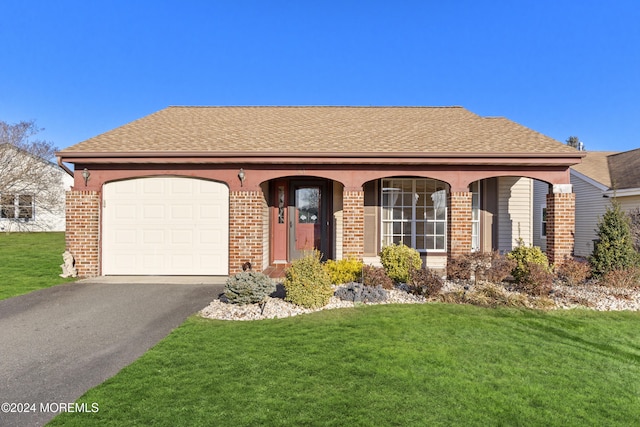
(57, 343)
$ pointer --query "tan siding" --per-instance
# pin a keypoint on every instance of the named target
(514, 212)
(337, 219)
(371, 219)
(629, 203)
(540, 190)
(590, 206)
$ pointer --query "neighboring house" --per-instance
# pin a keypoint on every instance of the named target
(32, 192)
(202, 190)
(601, 177)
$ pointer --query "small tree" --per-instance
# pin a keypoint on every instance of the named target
(614, 248)
(26, 174)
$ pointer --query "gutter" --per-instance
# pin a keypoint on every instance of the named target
(622, 193)
(63, 166)
(304, 154)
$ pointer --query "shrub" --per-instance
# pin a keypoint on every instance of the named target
(634, 225)
(357, 292)
(614, 248)
(248, 287)
(500, 269)
(524, 256)
(622, 278)
(398, 260)
(475, 264)
(573, 272)
(537, 279)
(376, 277)
(459, 268)
(307, 283)
(344, 270)
(425, 282)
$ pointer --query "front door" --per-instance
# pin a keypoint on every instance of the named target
(307, 218)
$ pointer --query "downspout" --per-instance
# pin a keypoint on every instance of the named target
(64, 167)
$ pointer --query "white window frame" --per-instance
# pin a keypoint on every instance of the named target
(543, 221)
(401, 211)
(17, 208)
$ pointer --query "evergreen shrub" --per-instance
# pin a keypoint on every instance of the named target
(614, 248)
(399, 260)
(525, 256)
(344, 270)
(248, 287)
(307, 283)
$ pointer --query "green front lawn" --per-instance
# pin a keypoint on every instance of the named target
(30, 261)
(386, 365)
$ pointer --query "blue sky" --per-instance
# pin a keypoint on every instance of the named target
(560, 67)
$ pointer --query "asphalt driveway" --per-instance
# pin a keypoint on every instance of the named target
(57, 343)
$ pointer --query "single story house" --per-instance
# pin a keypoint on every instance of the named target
(601, 177)
(202, 190)
(32, 192)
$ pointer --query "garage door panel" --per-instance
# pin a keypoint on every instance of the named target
(153, 237)
(151, 212)
(181, 212)
(165, 225)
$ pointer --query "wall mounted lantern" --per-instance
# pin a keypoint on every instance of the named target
(86, 175)
(241, 177)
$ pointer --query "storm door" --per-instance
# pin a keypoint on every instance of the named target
(308, 218)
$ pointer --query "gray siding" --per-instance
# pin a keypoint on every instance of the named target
(590, 206)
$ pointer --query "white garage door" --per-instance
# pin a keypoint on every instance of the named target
(165, 226)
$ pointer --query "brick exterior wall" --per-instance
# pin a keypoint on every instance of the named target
(459, 224)
(83, 231)
(353, 224)
(246, 230)
(561, 224)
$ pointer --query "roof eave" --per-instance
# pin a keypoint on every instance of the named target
(321, 158)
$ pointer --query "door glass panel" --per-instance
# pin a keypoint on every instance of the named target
(308, 204)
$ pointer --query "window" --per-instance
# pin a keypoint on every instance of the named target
(414, 212)
(17, 206)
(543, 222)
(475, 216)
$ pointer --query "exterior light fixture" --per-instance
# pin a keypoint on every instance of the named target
(241, 177)
(86, 175)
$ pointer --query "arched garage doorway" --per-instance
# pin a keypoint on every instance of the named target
(165, 226)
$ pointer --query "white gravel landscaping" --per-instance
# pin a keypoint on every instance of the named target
(564, 297)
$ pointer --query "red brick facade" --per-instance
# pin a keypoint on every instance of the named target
(459, 224)
(561, 223)
(246, 230)
(248, 227)
(83, 231)
(353, 224)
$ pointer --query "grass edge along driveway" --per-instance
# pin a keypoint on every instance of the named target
(433, 364)
(30, 261)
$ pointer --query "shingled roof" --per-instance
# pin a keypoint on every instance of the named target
(596, 166)
(624, 169)
(373, 130)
